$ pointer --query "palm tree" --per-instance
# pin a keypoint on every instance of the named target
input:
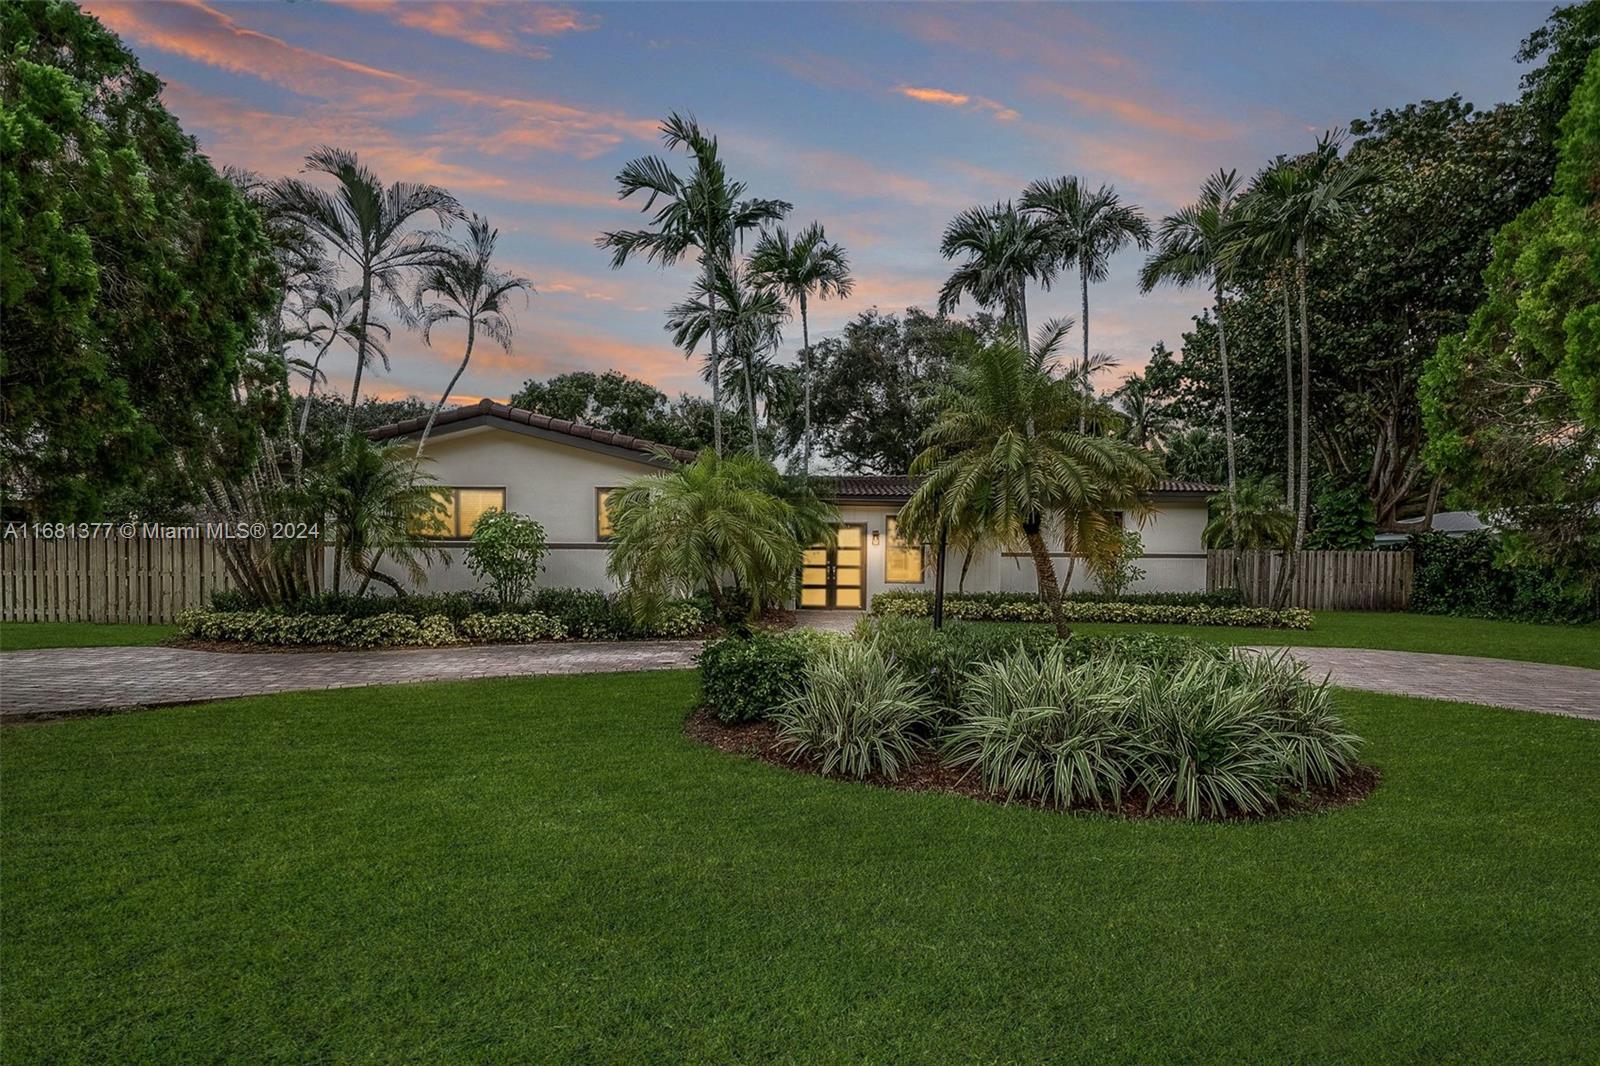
(1250, 517)
(1084, 230)
(701, 524)
(1196, 244)
(366, 222)
(464, 286)
(1003, 250)
(704, 212)
(1290, 206)
(1004, 452)
(807, 265)
(1146, 422)
(724, 303)
(378, 505)
(333, 316)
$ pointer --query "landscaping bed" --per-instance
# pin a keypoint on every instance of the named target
(1194, 609)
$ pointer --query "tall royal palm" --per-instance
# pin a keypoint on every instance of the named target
(806, 265)
(1291, 205)
(704, 213)
(1005, 451)
(725, 304)
(1001, 250)
(368, 224)
(464, 286)
(1083, 230)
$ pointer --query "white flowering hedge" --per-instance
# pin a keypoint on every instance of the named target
(1032, 609)
(396, 630)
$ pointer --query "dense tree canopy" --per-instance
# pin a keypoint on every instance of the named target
(133, 277)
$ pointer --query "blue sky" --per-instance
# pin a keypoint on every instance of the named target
(881, 121)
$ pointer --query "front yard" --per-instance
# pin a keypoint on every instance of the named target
(548, 869)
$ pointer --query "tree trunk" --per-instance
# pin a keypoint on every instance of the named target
(938, 578)
(1083, 276)
(966, 562)
(361, 347)
(1049, 591)
(1302, 514)
(805, 374)
(1022, 318)
(1227, 435)
(305, 411)
(716, 370)
(748, 358)
(1288, 398)
(472, 333)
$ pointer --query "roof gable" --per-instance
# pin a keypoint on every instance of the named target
(487, 412)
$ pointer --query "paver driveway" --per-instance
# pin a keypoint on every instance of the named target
(84, 680)
(62, 681)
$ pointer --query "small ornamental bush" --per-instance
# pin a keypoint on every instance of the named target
(856, 714)
(743, 678)
(1032, 609)
(505, 551)
(941, 659)
(275, 629)
(511, 628)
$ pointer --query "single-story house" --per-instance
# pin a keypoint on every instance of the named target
(491, 455)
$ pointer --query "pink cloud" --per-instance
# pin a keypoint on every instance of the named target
(497, 27)
(1158, 116)
(963, 101)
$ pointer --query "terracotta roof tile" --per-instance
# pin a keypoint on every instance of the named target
(899, 486)
(528, 418)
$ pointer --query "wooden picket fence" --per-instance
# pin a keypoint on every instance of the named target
(1322, 580)
(107, 579)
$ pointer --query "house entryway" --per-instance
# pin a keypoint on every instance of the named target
(834, 576)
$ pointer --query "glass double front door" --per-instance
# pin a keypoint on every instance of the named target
(835, 576)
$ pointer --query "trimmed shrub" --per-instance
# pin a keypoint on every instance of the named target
(291, 630)
(506, 550)
(856, 713)
(511, 628)
(941, 659)
(1033, 609)
(1042, 728)
(1467, 576)
(1157, 651)
(746, 677)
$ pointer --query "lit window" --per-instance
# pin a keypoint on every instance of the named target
(902, 562)
(602, 520)
(463, 508)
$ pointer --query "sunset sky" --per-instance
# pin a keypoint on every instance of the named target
(881, 121)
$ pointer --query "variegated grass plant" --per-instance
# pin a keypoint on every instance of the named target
(856, 713)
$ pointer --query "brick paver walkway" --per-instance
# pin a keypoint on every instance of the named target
(1568, 690)
(60, 681)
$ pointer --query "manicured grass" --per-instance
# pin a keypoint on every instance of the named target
(1563, 645)
(546, 869)
(21, 636)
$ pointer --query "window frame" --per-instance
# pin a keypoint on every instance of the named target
(600, 536)
(455, 491)
(889, 546)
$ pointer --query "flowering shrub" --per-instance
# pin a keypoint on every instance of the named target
(299, 630)
(1032, 609)
(511, 628)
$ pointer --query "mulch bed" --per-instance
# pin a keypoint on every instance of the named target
(759, 740)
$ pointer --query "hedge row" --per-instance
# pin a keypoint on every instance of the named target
(996, 608)
(396, 630)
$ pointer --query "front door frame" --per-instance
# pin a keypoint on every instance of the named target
(830, 583)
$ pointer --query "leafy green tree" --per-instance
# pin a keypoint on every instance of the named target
(135, 281)
(369, 225)
(1512, 405)
(1002, 251)
(463, 285)
(798, 268)
(1565, 42)
(704, 213)
(610, 400)
(1082, 231)
(698, 527)
(1004, 455)
(507, 550)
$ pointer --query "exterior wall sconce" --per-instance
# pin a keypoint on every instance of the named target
(874, 538)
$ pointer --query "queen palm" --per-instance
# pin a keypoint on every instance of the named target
(379, 505)
(704, 213)
(1004, 452)
(1291, 205)
(368, 223)
(798, 268)
(1250, 517)
(1003, 250)
(464, 286)
(333, 315)
(1084, 230)
(747, 318)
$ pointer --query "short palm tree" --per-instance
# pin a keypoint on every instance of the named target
(377, 504)
(700, 525)
(368, 223)
(1145, 421)
(1083, 230)
(1290, 206)
(801, 267)
(704, 213)
(1250, 517)
(747, 318)
(1001, 250)
(1004, 451)
(464, 286)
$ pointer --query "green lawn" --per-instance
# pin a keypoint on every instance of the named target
(1564, 645)
(21, 636)
(546, 869)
